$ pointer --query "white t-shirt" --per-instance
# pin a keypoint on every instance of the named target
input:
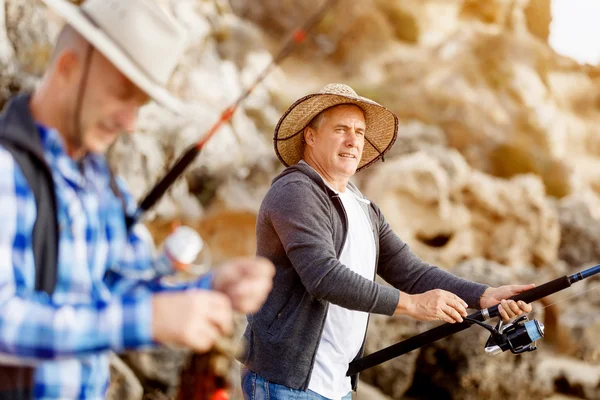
(345, 329)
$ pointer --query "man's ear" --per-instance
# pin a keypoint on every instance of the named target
(66, 66)
(309, 136)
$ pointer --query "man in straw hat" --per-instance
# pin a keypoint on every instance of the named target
(111, 57)
(327, 242)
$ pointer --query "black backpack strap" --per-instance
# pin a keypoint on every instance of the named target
(45, 230)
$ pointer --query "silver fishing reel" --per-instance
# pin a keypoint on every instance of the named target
(519, 336)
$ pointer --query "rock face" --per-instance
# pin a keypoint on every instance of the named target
(481, 71)
(396, 376)
(495, 175)
(448, 212)
(124, 382)
(580, 228)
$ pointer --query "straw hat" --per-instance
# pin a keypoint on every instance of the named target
(137, 36)
(381, 132)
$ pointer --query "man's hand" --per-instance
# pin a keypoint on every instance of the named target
(246, 281)
(194, 318)
(508, 308)
(433, 305)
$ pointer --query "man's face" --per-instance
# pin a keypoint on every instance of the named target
(337, 144)
(109, 107)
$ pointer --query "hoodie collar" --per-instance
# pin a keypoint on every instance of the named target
(304, 168)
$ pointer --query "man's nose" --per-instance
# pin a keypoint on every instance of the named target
(351, 139)
(127, 119)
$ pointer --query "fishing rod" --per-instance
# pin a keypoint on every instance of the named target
(152, 197)
(518, 337)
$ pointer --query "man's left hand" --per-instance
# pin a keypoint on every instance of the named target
(246, 281)
(508, 308)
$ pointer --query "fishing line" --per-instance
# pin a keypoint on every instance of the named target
(566, 298)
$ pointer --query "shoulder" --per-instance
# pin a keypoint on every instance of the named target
(295, 196)
(295, 188)
(12, 176)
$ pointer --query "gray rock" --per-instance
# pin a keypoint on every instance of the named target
(368, 392)
(579, 228)
(124, 385)
(159, 369)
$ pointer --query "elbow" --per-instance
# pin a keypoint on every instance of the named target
(322, 290)
(317, 292)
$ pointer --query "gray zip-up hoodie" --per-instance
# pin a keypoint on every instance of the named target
(302, 228)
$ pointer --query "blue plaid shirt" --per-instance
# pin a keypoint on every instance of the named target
(105, 277)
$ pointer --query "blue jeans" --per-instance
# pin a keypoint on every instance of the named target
(257, 388)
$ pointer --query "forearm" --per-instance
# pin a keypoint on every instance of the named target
(436, 278)
(120, 284)
(35, 330)
(345, 288)
(414, 278)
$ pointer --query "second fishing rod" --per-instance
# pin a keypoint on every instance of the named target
(519, 327)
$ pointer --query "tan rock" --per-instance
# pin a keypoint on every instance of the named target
(520, 224)
(447, 212)
(569, 376)
(538, 14)
(158, 369)
(226, 233)
(124, 384)
(368, 392)
(581, 318)
(395, 376)
(32, 47)
(579, 216)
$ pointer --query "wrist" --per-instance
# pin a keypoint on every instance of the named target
(483, 299)
(404, 304)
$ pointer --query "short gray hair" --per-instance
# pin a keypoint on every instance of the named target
(315, 123)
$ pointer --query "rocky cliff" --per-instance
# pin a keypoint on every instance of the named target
(495, 175)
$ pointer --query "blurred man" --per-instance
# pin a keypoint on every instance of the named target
(71, 284)
(327, 242)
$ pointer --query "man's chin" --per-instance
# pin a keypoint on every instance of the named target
(349, 172)
(99, 147)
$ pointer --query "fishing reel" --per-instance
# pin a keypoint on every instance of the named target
(518, 336)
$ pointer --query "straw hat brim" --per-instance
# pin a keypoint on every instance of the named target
(73, 16)
(380, 135)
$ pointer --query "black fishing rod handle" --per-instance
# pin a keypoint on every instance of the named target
(536, 293)
(163, 185)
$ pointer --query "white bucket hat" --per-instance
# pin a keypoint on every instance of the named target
(137, 36)
(380, 135)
